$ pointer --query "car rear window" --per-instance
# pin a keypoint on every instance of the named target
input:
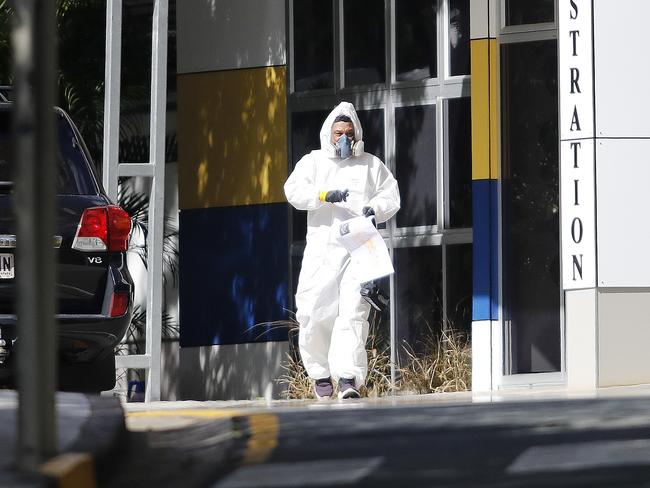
(73, 175)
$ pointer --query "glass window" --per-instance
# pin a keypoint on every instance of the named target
(313, 47)
(415, 162)
(459, 59)
(431, 281)
(372, 123)
(305, 137)
(73, 174)
(6, 168)
(530, 192)
(418, 293)
(520, 12)
(364, 41)
(416, 39)
(305, 132)
(460, 162)
(459, 287)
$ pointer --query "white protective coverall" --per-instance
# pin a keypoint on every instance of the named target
(332, 314)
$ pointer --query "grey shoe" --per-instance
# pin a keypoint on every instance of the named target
(347, 388)
(323, 388)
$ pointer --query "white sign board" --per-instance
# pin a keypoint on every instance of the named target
(577, 156)
(577, 197)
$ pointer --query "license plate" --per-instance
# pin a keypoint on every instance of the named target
(6, 266)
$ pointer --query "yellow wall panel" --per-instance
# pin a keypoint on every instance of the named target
(485, 129)
(480, 109)
(232, 137)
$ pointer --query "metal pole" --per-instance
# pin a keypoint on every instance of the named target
(34, 48)
(157, 198)
(112, 97)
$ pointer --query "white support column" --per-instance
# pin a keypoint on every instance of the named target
(578, 191)
(157, 200)
(155, 169)
(112, 97)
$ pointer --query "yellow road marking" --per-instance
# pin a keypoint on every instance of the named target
(189, 412)
(263, 435)
(71, 470)
(264, 438)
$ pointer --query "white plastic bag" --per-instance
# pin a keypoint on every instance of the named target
(367, 249)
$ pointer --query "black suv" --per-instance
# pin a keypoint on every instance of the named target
(94, 287)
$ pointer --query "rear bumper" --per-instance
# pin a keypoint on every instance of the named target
(81, 338)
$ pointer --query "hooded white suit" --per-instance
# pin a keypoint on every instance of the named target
(333, 315)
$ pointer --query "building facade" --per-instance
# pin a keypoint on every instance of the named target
(516, 151)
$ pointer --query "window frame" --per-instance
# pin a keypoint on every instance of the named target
(535, 28)
(504, 376)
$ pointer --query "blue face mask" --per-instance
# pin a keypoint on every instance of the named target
(344, 147)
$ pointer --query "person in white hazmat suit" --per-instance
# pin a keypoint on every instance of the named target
(338, 182)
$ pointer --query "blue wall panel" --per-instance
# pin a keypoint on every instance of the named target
(494, 249)
(485, 250)
(233, 274)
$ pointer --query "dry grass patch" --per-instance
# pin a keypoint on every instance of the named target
(297, 385)
(442, 363)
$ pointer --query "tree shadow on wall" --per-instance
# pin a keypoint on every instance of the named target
(235, 153)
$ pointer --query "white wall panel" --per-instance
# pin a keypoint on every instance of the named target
(478, 13)
(622, 68)
(623, 209)
(482, 355)
(581, 339)
(216, 35)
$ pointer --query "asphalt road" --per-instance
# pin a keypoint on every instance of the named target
(599, 442)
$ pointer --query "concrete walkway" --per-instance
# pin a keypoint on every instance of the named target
(520, 394)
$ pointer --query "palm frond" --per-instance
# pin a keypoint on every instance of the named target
(133, 342)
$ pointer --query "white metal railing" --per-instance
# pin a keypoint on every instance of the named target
(155, 169)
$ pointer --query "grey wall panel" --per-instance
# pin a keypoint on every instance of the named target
(623, 205)
(622, 68)
(216, 35)
(231, 372)
(478, 25)
(624, 337)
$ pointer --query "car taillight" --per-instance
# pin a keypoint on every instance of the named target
(119, 226)
(103, 229)
(119, 304)
(92, 233)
